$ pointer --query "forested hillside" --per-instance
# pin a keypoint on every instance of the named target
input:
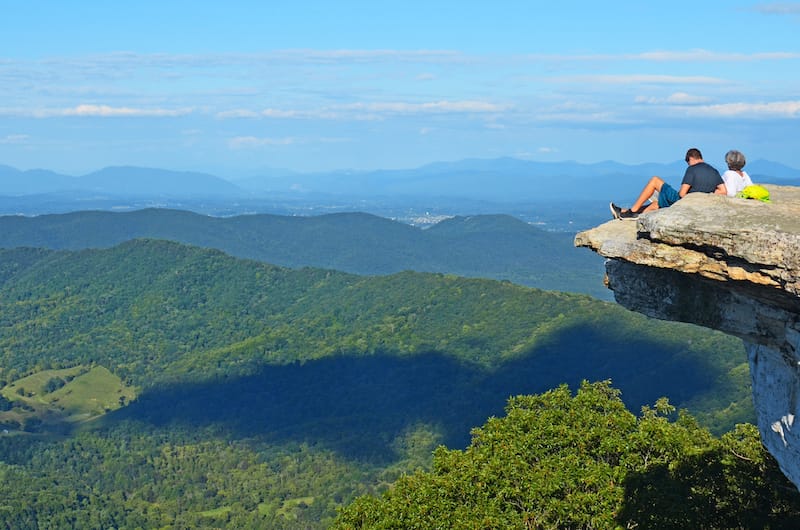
(488, 246)
(155, 383)
(561, 461)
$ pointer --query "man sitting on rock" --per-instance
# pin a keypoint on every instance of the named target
(699, 177)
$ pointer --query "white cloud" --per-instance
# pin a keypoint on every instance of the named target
(106, 111)
(370, 111)
(238, 113)
(678, 98)
(575, 106)
(254, 142)
(429, 107)
(14, 139)
(775, 109)
(308, 55)
(322, 114)
(116, 62)
(244, 142)
(710, 56)
(779, 8)
(546, 150)
(695, 55)
(626, 79)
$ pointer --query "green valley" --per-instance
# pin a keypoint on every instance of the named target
(224, 391)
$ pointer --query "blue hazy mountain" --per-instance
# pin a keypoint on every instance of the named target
(505, 180)
(32, 182)
(125, 181)
(500, 179)
(129, 180)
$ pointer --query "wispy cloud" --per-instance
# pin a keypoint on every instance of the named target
(14, 139)
(775, 109)
(102, 111)
(289, 114)
(110, 62)
(245, 142)
(429, 107)
(601, 117)
(252, 142)
(374, 110)
(678, 98)
(311, 55)
(779, 8)
(628, 79)
(694, 55)
(712, 56)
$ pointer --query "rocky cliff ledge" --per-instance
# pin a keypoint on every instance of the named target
(727, 264)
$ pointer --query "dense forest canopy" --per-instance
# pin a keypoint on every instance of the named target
(562, 461)
(156, 311)
(155, 383)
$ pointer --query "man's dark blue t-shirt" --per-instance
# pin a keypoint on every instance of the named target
(702, 177)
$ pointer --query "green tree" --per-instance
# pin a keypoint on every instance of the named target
(562, 461)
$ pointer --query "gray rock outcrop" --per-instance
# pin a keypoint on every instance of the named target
(728, 264)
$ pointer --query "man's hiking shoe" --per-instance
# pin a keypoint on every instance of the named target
(643, 207)
(628, 215)
(615, 210)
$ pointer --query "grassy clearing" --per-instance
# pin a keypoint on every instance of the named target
(70, 395)
(217, 513)
(287, 508)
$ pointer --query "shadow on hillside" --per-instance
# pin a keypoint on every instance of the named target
(357, 405)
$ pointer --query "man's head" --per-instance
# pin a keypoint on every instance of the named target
(735, 160)
(693, 156)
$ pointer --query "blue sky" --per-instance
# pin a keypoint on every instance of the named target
(236, 87)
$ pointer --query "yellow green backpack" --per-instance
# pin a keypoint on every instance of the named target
(754, 191)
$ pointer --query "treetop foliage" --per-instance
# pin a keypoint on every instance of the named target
(561, 461)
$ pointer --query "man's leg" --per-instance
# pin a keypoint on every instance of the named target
(653, 185)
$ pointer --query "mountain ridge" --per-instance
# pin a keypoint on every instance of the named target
(302, 387)
(492, 246)
(502, 179)
(151, 310)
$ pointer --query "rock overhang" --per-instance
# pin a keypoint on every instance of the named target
(729, 264)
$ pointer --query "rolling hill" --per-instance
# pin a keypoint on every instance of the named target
(156, 311)
(227, 392)
(490, 246)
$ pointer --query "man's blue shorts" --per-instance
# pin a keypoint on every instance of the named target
(667, 196)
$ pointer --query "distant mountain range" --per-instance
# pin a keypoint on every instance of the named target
(118, 181)
(501, 179)
(488, 246)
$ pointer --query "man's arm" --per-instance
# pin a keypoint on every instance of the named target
(721, 190)
(684, 190)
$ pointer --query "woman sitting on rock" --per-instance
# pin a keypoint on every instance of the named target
(736, 179)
